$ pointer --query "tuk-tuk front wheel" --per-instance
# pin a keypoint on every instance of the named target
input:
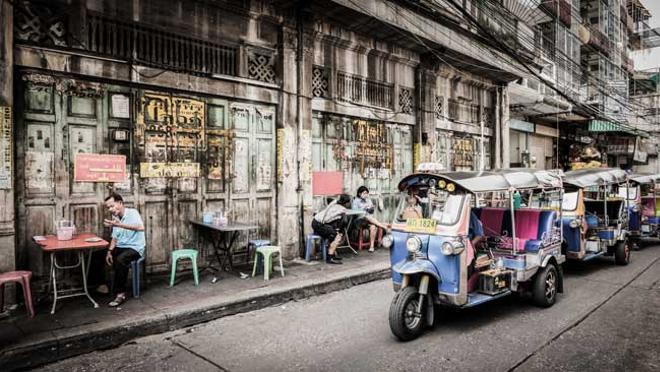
(544, 292)
(407, 314)
(622, 253)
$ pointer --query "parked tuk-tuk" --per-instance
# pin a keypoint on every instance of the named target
(644, 217)
(431, 251)
(595, 217)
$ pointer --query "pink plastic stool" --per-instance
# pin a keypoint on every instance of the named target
(22, 277)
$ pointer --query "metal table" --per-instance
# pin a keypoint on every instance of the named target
(351, 214)
(51, 245)
(223, 238)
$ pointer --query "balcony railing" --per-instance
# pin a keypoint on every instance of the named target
(599, 40)
(362, 91)
(464, 112)
(559, 8)
(153, 47)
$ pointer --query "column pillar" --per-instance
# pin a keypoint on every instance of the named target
(426, 90)
(504, 127)
(7, 134)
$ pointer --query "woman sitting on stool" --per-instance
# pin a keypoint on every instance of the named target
(364, 203)
(329, 223)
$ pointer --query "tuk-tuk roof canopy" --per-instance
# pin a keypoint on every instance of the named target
(645, 178)
(594, 177)
(484, 181)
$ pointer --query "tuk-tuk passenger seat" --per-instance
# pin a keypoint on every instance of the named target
(532, 225)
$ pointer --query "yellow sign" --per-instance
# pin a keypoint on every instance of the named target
(421, 225)
(280, 154)
(169, 170)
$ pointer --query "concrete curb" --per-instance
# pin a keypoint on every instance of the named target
(57, 348)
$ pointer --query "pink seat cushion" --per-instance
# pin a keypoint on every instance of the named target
(527, 223)
(648, 207)
(14, 276)
(491, 220)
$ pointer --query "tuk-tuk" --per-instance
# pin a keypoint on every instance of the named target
(644, 217)
(432, 256)
(595, 218)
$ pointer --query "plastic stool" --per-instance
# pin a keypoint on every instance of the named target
(254, 244)
(22, 277)
(309, 246)
(361, 243)
(135, 266)
(184, 253)
(267, 251)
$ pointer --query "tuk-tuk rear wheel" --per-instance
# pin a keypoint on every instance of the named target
(544, 292)
(406, 322)
(622, 253)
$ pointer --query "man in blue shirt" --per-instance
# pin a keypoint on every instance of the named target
(127, 242)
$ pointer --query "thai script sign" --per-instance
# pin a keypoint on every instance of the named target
(169, 170)
(99, 168)
(5, 147)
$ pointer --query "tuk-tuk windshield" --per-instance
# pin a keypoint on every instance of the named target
(441, 206)
(570, 201)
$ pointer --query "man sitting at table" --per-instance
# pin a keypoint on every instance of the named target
(127, 243)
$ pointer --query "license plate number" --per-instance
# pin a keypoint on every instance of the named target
(421, 225)
(646, 228)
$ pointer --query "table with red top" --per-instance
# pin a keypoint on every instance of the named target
(78, 245)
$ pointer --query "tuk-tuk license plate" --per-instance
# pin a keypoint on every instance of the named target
(646, 228)
(421, 225)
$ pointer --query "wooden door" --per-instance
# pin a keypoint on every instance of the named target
(59, 120)
(252, 190)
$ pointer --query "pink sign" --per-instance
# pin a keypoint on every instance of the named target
(327, 183)
(99, 168)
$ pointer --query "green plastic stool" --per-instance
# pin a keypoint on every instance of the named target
(267, 251)
(184, 253)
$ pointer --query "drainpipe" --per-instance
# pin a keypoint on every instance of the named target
(299, 61)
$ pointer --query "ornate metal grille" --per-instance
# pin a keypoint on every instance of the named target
(439, 106)
(406, 100)
(261, 67)
(39, 25)
(320, 84)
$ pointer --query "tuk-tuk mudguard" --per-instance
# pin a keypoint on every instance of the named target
(398, 252)
(416, 266)
(572, 235)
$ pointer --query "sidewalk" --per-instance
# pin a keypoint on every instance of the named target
(76, 327)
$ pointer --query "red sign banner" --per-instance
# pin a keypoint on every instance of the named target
(99, 168)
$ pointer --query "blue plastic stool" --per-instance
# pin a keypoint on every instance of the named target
(309, 246)
(135, 266)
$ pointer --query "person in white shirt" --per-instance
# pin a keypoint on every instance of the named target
(364, 203)
(328, 224)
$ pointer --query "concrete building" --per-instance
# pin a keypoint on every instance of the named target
(233, 105)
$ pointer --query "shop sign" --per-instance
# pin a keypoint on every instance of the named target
(547, 131)
(99, 168)
(5, 147)
(640, 154)
(620, 146)
(521, 125)
(463, 153)
(169, 170)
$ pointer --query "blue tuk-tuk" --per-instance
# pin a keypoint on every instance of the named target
(432, 254)
(644, 212)
(595, 217)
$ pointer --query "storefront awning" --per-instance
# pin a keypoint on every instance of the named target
(600, 126)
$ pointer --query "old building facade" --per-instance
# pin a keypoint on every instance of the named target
(232, 105)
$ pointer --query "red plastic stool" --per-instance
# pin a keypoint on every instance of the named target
(22, 277)
(361, 243)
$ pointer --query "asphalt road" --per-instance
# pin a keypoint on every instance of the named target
(608, 319)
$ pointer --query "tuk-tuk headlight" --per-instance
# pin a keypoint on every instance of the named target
(449, 248)
(413, 244)
(635, 208)
(574, 224)
(388, 240)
